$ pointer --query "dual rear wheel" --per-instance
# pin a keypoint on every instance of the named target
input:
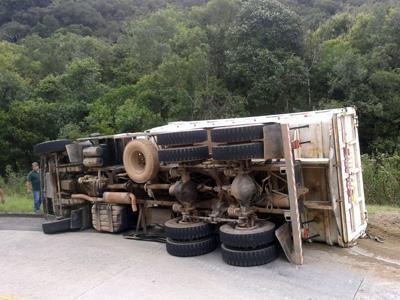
(246, 247)
(240, 247)
(189, 238)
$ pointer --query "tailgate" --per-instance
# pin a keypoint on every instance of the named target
(351, 190)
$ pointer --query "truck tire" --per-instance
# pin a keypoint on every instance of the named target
(181, 138)
(183, 154)
(249, 258)
(187, 231)
(237, 134)
(141, 160)
(191, 248)
(262, 235)
(238, 152)
(57, 226)
(51, 146)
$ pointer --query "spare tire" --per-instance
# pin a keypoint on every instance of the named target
(181, 137)
(141, 160)
(183, 154)
(51, 146)
(237, 134)
(238, 151)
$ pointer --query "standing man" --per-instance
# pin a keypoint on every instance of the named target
(33, 183)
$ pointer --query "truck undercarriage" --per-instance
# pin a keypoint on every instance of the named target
(254, 182)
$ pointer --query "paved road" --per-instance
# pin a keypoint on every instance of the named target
(90, 265)
(10, 222)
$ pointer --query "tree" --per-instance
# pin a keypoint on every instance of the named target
(14, 31)
(263, 46)
(12, 85)
(33, 121)
(145, 43)
(267, 24)
(102, 112)
(133, 117)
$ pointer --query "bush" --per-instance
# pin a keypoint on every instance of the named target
(381, 175)
(17, 199)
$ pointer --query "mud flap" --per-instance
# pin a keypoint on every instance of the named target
(284, 236)
(57, 226)
(79, 220)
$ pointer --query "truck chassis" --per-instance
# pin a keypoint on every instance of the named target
(254, 182)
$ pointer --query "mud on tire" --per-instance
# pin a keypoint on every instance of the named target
(141, 160)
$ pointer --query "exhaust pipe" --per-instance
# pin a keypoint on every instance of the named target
(111, 197)
(120, 198)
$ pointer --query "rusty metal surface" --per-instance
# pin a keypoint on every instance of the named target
(273, 147)
(93, 151)
(92, 162)
(120, 198)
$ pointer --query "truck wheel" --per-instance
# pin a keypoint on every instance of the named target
(141, 160)
(249, 258)
(187, 231)
(182, 138)
(57, 226)
(191, 248)
(237, 134)
(183, 154)
(51, 146)
(238, 152)
(262, 235)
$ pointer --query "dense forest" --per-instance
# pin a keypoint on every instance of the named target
(72, 67)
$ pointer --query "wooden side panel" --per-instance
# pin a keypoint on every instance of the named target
(294, 209)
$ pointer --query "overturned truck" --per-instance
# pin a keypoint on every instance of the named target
(254, 185)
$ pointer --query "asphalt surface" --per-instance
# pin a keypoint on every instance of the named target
(91, 265)
(10, 222)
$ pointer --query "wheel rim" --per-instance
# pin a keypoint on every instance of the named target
(138, 161)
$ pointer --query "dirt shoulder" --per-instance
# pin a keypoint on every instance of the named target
(383, 237)
(380, 248)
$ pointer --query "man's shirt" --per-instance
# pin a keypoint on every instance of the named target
(34, 178)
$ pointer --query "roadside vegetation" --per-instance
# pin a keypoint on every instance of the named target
(70, 68)
(381, 175)
(17, 198)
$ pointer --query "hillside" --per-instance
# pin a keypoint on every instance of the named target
(69, 68)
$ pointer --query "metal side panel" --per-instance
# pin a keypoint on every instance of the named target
(350, 176)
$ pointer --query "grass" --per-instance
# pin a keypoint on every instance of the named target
(382, 209)
(17, 199)
(381, 175)
(17, 203)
